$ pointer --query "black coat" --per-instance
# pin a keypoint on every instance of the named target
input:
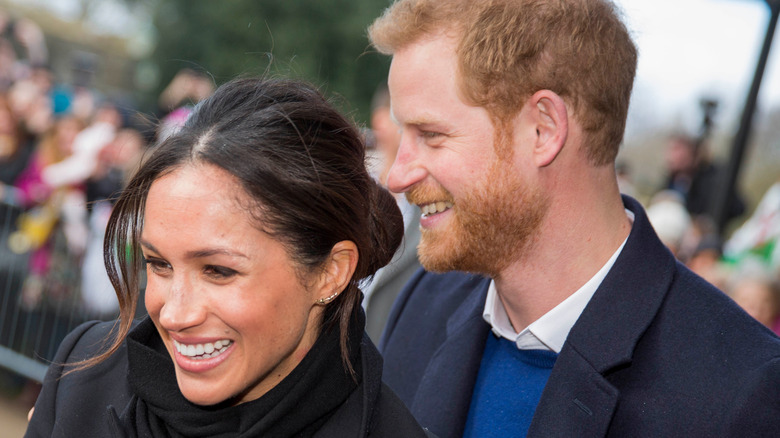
(657, 352)
(88, 403)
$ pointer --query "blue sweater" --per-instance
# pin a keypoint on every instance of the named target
(508, 388)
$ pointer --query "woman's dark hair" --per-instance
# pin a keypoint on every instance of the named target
(298, 158)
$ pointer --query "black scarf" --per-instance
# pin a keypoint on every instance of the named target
(296, 407)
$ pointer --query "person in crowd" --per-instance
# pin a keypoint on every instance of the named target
(116, 163)
(757, 293)
(549, 306)
(187, 88)
(27, 36)
(87, 147)
(256, 222)
(706, 260)
(176, 101)
(670, 220)
(388, 281)
(696, 177)
(14, 152)
(45, 207)
(32, 107)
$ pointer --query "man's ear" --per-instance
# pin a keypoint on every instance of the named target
(337, 271)
(551, 119)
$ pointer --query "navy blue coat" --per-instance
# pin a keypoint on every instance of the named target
(657, 352)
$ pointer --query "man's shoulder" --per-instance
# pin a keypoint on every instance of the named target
(434, 297)
(712, 356)
(443, 286)
(717, 318)
(434, 340)
(434, 304)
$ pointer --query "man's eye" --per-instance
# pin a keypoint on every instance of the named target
(219, 272)
(430, 134)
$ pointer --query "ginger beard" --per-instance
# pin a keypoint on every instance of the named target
(490, 227)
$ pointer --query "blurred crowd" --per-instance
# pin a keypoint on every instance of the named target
(66, 150)
(745, 264)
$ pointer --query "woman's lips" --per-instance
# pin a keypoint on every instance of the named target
(201, 357)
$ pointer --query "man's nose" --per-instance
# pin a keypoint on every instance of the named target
(408, 169)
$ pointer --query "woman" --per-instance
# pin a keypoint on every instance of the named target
(256, 223)
(49, 210)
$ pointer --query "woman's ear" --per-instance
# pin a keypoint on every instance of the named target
(337, 271)
(551, 120)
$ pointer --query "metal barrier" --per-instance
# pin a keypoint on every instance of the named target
(36, 312)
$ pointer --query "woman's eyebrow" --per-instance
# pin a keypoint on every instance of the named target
(200, 253)
(148, 246)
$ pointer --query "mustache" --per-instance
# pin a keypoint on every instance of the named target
(425, 193)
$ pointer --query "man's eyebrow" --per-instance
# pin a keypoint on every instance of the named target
(426, 121)
(419, 120)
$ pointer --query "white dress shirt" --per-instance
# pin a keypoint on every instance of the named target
(550, 331)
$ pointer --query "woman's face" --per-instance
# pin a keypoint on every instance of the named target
(223, 295)
(67, 131)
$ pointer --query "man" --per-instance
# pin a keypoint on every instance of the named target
(570, 317)
(389, 280)
(697, 178)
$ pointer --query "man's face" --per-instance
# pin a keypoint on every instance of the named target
(679, 156)
(479, 209)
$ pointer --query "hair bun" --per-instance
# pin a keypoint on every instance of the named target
(386, 225)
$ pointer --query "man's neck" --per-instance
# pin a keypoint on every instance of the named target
(570, 249)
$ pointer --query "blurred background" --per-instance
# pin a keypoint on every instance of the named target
(87, 85)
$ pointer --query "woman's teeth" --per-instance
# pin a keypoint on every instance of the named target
(435, 207)
(202, 351)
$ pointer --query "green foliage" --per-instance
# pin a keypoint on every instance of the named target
(322, 41)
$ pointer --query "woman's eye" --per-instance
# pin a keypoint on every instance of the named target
(219, 272)
(157, 266)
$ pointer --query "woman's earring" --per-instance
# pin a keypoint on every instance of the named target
(327, 300)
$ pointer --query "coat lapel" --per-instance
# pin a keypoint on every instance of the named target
(444, 395)
(578, 400)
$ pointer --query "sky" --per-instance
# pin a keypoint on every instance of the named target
(690, 49)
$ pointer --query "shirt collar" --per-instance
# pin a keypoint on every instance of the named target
(550, 331)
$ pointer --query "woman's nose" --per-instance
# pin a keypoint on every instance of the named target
(183, 307)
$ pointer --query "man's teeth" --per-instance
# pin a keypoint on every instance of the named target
(435, 207)
(202, 351)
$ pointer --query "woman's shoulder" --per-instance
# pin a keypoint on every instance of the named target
(67, 396)
(86, 340)
(392, 418)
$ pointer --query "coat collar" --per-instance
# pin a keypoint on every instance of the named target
(577, 397)
(355, 416)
